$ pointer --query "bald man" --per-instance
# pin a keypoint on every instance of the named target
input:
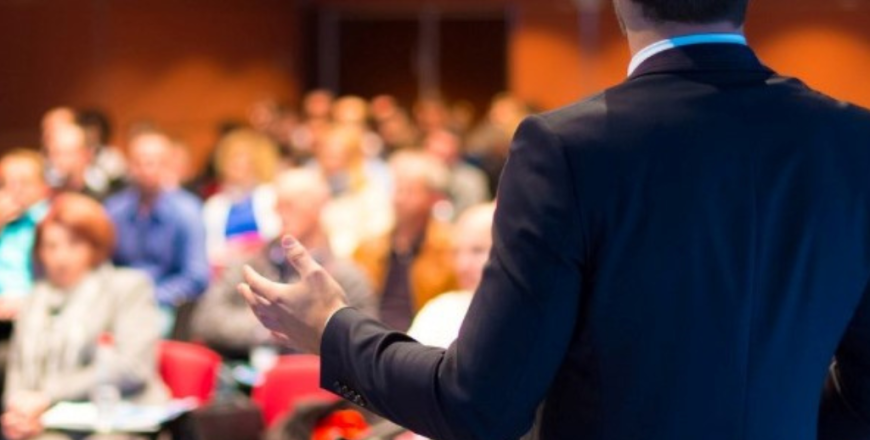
(223, 319)
(438, 322)
(70, 162)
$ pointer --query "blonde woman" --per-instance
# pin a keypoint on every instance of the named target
(240, 217)
(360, 186)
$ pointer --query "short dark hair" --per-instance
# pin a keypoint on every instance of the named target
(695, 11)
(94, 118)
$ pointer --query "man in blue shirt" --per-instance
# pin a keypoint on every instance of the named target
(160, 230)
(23, 203)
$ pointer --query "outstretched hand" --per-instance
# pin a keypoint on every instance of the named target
(296, 314)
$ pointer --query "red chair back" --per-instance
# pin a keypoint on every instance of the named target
(294, 378)
(188, 370)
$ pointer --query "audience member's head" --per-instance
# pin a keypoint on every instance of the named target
(263, 114)
(340, 150)
(431, 114)
(22, 177)
(245, 158)
(98, 129)
(150, 161)
(507, 111)
(69, 155)
(75, 237)
(54, 119)
(383, 107)
(420, 181)
(317, 104)
(350, 110)
(462, 116)
(472, 241)
(301, 195)
(444, 146)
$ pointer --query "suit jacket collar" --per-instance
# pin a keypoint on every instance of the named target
(702, 58)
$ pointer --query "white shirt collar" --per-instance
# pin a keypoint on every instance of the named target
(686, 40)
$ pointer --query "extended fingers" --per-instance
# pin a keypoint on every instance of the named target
(261, 286)
(298, 256)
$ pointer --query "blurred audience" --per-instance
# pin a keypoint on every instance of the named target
(224, 321)
(23, 203)
(240, 217)
(181, 173)
(53, 120)
(468, 185)
(108, 162)
(81, 298)
(411, 264)
(70, 163)
(371, 190)
(278, 122)
(160, 230)
(360, 186)
(316, 122)
(393, 124)
(488, 143)
(431, 114)
(439, 321)
(353, 112)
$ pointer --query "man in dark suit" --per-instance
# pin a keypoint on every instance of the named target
(679, 257)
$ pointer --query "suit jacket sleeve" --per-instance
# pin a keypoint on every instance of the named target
(488, 384)
(845, 409)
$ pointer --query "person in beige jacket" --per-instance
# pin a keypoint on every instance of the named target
(80, 298)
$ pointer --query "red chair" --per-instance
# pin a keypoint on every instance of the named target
(188, 370)
(293, 378)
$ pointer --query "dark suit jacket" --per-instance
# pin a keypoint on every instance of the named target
(679, 257)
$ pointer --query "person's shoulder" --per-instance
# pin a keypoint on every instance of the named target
(182, 202)
(131, 281)
(373, 247)
(347, 273)
(846, 110)
(820, 111)
(450, 300)
(183, 197)
(590, 107)
(121, 201)
(439, 234)
(585, 118)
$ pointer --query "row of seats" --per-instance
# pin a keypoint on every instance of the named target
(191, 370)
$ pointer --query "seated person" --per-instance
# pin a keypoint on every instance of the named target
(71, 163)
(439, 322)
(411, 264)
(80, 298)
(23, 203)
(240, 217)
(360, 185)
(223, 319)
(468, 185)
(160, 229)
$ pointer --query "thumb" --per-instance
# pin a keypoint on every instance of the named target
(298, 256)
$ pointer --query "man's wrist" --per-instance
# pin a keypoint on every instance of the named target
(331, 314)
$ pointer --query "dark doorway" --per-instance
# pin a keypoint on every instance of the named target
(462, 56)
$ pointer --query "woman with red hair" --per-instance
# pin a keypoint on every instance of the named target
(79, 298)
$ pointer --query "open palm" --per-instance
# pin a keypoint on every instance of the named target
(295, 313)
